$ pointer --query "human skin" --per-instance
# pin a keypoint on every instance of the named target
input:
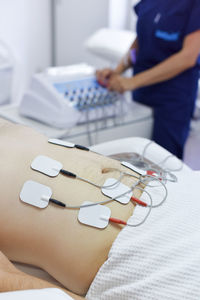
(12, 279)
(52, 238)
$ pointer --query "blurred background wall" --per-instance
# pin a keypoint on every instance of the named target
(25, 26)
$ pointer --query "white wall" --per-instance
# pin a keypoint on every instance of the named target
(121, 14)
(25, 26)
(76, 20)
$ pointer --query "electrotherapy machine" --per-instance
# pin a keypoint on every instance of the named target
(63, 97)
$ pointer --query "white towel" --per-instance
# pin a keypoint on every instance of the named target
(161, 259)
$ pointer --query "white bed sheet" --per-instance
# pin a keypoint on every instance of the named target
(44, 294)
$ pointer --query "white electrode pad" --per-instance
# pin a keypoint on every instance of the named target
(96, 216)
(61, 143)
(133, 168)
(113, 188)
(35, 194)
(46, 165)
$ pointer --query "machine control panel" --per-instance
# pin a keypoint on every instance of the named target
(86, 94)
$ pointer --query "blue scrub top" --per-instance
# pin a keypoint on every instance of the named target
(161, 29)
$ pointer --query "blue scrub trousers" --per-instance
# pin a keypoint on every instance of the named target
(172, 116)
(170, 134)
(172, 124)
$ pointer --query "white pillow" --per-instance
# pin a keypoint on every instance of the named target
(155, 153)
(110, 44)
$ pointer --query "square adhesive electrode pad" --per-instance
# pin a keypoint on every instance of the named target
(112, 188)
(61, 143)
(47, 166)
(35, 194)
(133, 168)
(96, 216)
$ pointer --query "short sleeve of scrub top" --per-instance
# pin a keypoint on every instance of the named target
(194, 19)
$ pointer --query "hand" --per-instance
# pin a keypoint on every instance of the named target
(104, 75)
(120, 84)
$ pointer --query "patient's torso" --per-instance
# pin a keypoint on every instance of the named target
(52, 238)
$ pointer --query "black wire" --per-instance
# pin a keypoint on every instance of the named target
(56, 202)
(81, 147)
(67, 173)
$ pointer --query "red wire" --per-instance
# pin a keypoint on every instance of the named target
(138, 201)
(150, 172)
(117, 221)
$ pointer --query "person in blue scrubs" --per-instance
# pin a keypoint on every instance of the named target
(165, 69)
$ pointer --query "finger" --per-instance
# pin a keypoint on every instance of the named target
(108, 73)
(112, 86)
(109, 86)
(116, 87)
(98, 74)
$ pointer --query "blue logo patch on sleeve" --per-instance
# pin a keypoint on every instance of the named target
(172, 37)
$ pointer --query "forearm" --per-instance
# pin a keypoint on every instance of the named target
(164, 71)
(19, 281)
(126, 63)
(16, 281)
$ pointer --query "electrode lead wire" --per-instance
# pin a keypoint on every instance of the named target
(105, 201)
(148, 185)
(163, 161)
